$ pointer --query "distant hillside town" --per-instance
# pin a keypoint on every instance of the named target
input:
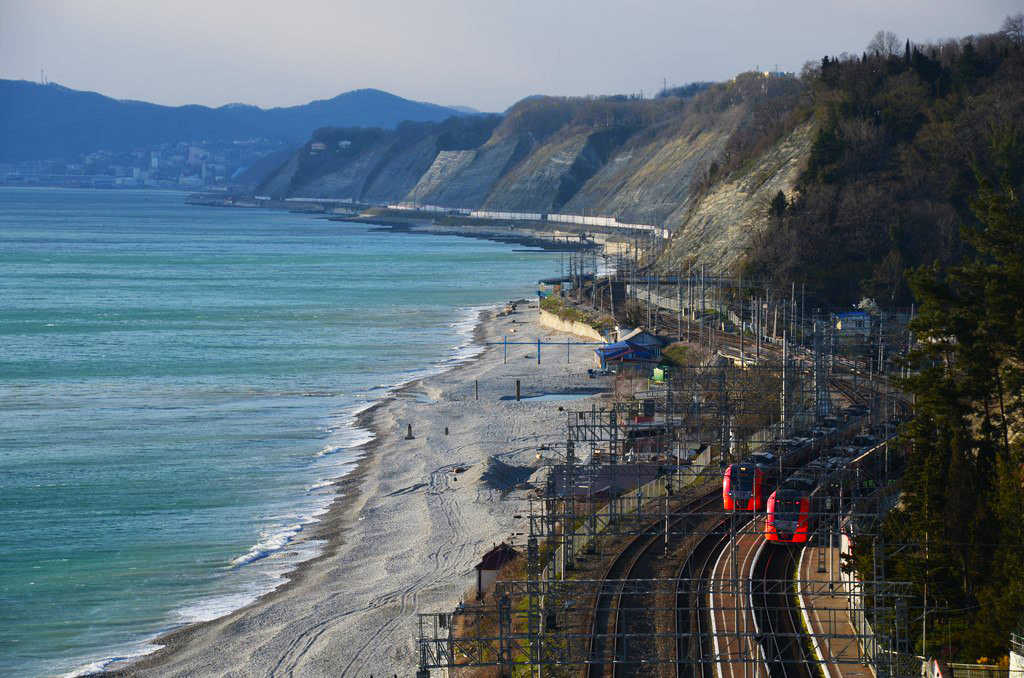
(51, 135)
(185, 164)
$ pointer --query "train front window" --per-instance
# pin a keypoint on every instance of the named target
(787, 509)
(744, 478)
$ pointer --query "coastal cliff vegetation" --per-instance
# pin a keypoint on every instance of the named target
(840, 178)
(900, 134)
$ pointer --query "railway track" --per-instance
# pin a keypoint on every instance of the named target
(691, 605)
(776, 613)
(636, 560)
(847, 389)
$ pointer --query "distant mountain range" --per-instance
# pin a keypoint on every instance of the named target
(40, 122)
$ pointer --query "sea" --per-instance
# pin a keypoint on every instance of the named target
(178, 387)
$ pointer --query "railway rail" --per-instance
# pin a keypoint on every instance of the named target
(691, 618)
(784, 654)
(634, 561)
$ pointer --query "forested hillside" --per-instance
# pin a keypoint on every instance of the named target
(901, 133)
(935, 181)
(958, 531)
(840, 179)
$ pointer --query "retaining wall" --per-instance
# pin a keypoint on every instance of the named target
(552, 321)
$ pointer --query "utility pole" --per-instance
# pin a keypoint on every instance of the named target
(742, 361)
(702, 298)
(689, 300)
(881, 345)
(792, 307)
(758, 330)
(785, 365)
(802, 288)
(648, 276)
(679, 304)
(611, 290)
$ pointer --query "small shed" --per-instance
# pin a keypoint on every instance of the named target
(642, 337)
(636, 346)
(647, 439)
(487, 568)
(853, 323)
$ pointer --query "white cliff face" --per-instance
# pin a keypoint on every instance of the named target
(347, 180)
(446, 165)
(533, 184)
(471, 181)
(718, 228)
(654, 173)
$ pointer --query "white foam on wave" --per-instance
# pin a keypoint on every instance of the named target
(265, 575)
(283, 547)
(98, 666)
(272, 543)
(465, 326)
(331, 449)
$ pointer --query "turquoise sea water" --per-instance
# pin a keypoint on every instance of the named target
(176, 385)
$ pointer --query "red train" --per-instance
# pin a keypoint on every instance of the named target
(795, 508)
(747, 484)
(743, 487)
(789, 517)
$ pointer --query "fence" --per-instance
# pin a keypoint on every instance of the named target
(978, 671)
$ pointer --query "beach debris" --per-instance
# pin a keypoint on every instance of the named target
(459, 469)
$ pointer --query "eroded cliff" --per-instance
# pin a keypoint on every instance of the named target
(705, 168)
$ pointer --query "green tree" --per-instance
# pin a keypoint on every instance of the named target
(961, 509)
(778, 205)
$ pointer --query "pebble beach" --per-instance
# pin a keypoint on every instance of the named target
(410, 522)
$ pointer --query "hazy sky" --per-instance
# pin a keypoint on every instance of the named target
(472, 52)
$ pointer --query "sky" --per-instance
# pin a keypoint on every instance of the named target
(476, 53)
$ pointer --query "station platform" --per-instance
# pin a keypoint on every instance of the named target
(825, 603)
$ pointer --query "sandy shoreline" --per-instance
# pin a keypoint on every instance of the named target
(405, 530)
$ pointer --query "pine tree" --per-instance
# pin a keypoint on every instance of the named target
(961, 510)
(779, 204)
